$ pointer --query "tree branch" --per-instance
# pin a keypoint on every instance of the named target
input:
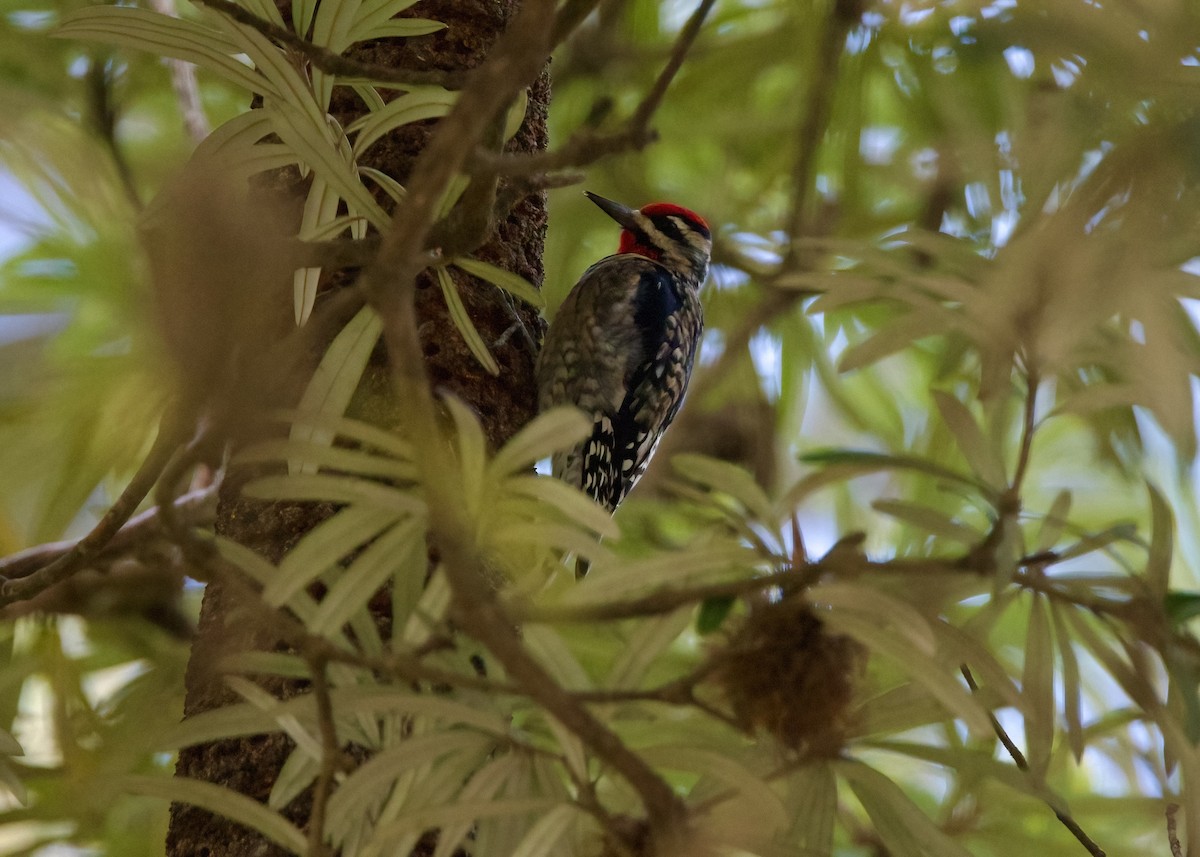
(586, 147)
(86, 550)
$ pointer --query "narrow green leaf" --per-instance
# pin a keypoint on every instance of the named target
(388, 184)
(462, 321)
(1037, 686)
(543, 838)
(297, 774)
(929, 520)
(515, 285)
(884, 610)
(1072, 688)
(377, 773)
(813, 801)
(713, 613)
(165, 36)
(548, 647)
(350, 429)
(367, 573)
(971, 442)
(707, 563)
(567, 500)
(220, 801)
(1181, 606)
(335, 458)
(320, 153)
(896, 336)
(645, 645)
(405, 28)
(285, 718)
(1158, 562)
(1054, 523)
(727, 478)
(420, 103)
(334, 489)
(935, 678)
(471, 446)
(336, 378)
(750, 787)
(899, 822)
(323, 547)
(556, 429)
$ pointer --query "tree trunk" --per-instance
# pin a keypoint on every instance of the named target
(503, 403)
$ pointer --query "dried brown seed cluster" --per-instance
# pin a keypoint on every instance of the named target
(784, 674)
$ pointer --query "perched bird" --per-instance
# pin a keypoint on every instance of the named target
(622, 345)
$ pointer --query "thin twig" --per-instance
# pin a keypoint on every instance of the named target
(1172, 831)
(330, 755)
(198, 507)
(587, 146)
(1019, 758)
(87, 549)
(183, 81)
(332, 63)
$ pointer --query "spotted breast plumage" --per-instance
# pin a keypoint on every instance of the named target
(622, 345)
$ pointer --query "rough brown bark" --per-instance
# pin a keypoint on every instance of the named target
(504, 404)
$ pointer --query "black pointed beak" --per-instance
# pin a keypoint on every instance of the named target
(623, 214)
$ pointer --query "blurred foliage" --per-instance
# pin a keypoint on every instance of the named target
(980, 264)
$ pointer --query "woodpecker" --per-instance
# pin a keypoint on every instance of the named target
(622, 345)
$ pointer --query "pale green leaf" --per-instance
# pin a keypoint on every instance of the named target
(956, 699)
(317, 150)
(896, 336)
(266, 663)
(884, 610)
(549, 432)
(515, 285)
(388, 184)
(1158, 562)
(548, 647)
(334, 489)
(1072, 688)
(929, 520)
(220, 801)
(286, 719)
(645, 645)
(707, 563)
(297, 774)
(471, 446)
(727, 478)
(569, 501)
(1037, 686)
(1054, 523)
(899, 822)
(333, 458)
(355, 430)
(749, 787)
(462, 321)
(324, 546)
(543, 838)
(812, 801)
(427, 102)
(368, 572)
(336, 378)
(970, 439)
(377, 773)
(165, 36)
(405, 28)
